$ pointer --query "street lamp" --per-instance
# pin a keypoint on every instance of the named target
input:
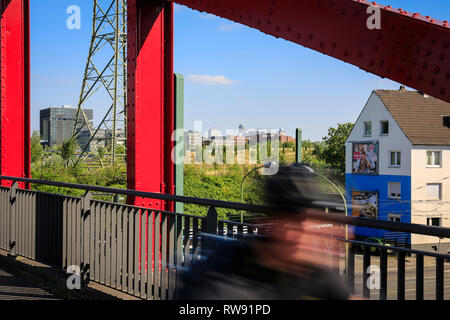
(266, 165)
(346, 214)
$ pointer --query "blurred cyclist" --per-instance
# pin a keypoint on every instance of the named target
(294, 260)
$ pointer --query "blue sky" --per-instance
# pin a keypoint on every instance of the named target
(234, 74)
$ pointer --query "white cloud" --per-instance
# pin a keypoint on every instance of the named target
(207, 79)
(229, 26)
(207, 16)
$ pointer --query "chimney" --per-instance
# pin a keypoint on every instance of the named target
(402, 88)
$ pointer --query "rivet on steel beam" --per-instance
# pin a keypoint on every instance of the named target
(424, 65)
(429, 52)
(360, 55)
(334, 45)
(408, 77)
(437, 70)
(441, 57)
(433, 82)
(442, 90)
(420, 77)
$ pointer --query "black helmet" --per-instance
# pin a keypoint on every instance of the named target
(293, 189)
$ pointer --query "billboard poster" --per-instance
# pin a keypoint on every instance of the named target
(365, 158)
(365, 204)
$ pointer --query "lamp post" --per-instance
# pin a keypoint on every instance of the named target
(346, 214)
(266, 165)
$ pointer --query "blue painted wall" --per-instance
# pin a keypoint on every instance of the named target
(379, 183)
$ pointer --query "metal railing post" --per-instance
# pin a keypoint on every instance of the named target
(211, 226)
(13, 219)
(86, 236)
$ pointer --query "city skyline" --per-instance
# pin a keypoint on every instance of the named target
(233, 73)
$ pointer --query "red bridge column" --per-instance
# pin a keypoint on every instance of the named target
(15, 89)
(150, 110)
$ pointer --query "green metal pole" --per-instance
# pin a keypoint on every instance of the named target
(298, 148)
(179, 124)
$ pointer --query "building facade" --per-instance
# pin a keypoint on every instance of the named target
(397, 163)
(56, 125)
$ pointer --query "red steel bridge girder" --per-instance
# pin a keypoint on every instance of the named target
(409, 48)
(150, 110)
(15, 89)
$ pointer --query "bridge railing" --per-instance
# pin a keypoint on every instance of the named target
(142, 251)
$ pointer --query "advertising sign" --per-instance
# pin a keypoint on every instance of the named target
(365, 204)
(365, 158)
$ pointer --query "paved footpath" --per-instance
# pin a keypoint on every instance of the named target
(15, 288)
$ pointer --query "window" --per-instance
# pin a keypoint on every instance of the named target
(433, 158)
(384, 127)
(434, 191)
(368, 128)
(394, 217)
(395, 158)
(434, 222)
(394, 190)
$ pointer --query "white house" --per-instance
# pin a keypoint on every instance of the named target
(398, 163)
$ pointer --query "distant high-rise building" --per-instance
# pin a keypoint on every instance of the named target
(56, 125)
(192, 139)
(241, 131)
(214, 132)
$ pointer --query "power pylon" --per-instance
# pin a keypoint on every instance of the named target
(105, 73)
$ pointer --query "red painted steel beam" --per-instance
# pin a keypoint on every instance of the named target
(409, 48)
(15, 89)
(150, 110)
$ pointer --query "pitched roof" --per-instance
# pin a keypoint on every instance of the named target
(419, 116)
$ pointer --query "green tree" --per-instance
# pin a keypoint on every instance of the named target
(37, 151)
(334, 151)
(68, 149)
(288, 144)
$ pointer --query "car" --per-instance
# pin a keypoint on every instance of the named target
(373, 250)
